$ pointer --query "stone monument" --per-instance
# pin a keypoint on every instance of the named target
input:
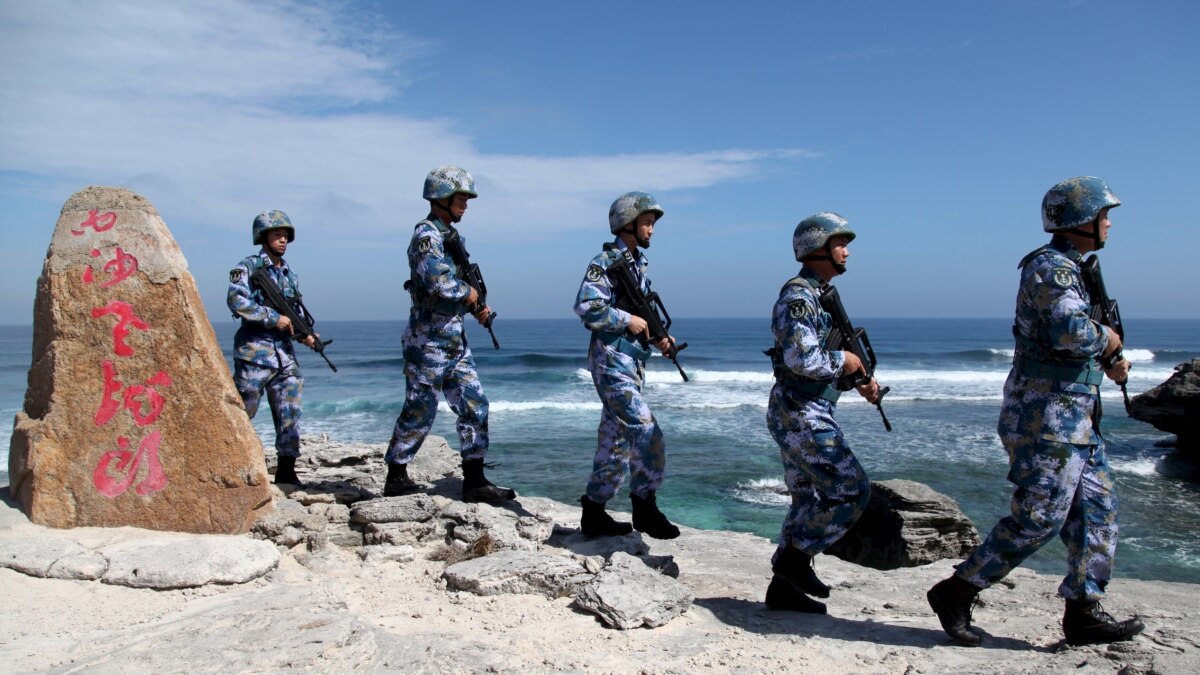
(131, 416)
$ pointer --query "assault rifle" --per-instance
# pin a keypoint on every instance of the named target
(648, 306)
(469, 272)
(845, 337)
(301, 325)
(1106, 313)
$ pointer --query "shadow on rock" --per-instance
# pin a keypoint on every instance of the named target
(754, 617)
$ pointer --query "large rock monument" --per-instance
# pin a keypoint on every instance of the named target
(131, 417)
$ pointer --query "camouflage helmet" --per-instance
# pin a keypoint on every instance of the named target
(814, 232)
(447, 181)
(628, 207)
(1075, 202)
(272, 220)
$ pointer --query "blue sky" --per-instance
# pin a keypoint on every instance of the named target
(934, 127)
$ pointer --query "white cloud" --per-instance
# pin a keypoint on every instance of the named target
(214, 109)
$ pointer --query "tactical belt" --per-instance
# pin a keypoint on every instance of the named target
(1088, 373)
(811, 388)
(619, 343)
(420, 299)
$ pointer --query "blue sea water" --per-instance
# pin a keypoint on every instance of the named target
(723, 468)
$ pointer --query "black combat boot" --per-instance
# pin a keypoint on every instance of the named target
(476, 488)
(398, 483)
(285, 472)
(649, 520)
(782, 595)
(796, 566)
(951, 600)
(597, 523)
(1086, 623)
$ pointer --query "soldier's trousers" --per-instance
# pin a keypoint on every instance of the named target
(430, 369)
(828, 485)
(284, 386)
(1061, 489)
(629, 437)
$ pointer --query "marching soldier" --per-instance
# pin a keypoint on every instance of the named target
(436, 355)
(263, 355)
(828, 486)
(629, 436)
(1050, 425)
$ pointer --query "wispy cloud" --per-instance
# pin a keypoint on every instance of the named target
(220, 109)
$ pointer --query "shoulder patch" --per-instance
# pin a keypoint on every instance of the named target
(236, 275)
(594, 273)
(423, 245)
(798, 309)
(1062, 277)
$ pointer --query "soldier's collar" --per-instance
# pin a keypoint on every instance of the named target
(1066, 247)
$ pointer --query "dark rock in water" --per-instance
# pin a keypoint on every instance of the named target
(906, 524)
(1174, 406)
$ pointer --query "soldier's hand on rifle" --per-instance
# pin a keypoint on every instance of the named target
(664, 345)
(869, 391)
(637, 325)
(481, 314)
(472, 297)
(1114, 342)
(852, 365)
(285, 323)
(311, 341)
(1119, 373)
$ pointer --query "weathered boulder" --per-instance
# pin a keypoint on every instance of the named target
(1174, 405)
(906, 524)
(507, 530)
(187, 562)
(130, 416)
(553, 576)
(160, 561)
(629, 593)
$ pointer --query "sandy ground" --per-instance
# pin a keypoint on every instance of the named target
(330, 612)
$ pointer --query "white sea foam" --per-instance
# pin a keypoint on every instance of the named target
(1139, 355)
(1142, 466)
(769, 491)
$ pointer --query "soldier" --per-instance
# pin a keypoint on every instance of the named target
(1049, 423)
(263, 356)
(629, 436)
(436, 355)
(828, 486)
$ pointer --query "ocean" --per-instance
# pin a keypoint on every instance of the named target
(723, 468)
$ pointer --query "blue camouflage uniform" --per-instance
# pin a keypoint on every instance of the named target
(828, 486)
(629, 436)
(263, 356)
(436, 355)
(1049, 423)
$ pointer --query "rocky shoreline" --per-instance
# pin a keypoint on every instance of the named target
(332, 581)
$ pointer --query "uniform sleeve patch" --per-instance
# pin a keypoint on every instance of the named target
(798, 309)
(424, 245)
(237, 275)
(594, 272)
(1063, 277)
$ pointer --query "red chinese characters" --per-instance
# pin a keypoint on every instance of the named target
(121, 267)
(125, 319)
(99, 222)
(127, 464)
(118, 470)
(142, 400)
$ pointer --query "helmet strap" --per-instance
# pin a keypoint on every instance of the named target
(1094, 235)
(827, 255)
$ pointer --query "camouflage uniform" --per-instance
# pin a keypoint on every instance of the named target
(1049, 423)
(828, 486)
(629, 436)
(263, 356)
(436, 355)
